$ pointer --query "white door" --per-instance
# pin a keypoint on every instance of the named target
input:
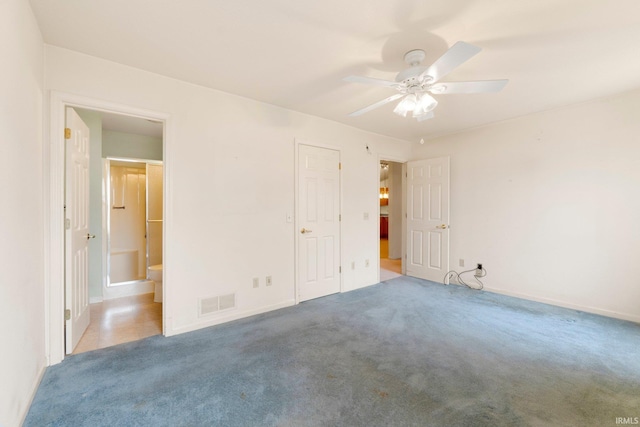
(77, 229)
(318, 213)
(428, 219)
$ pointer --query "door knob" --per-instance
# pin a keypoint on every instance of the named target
(91, 236)
(305, 230)
(442, 227)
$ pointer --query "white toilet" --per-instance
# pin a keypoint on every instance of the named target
(155, 274)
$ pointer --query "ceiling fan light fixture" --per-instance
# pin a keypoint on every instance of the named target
(425, 104)
(407, 104)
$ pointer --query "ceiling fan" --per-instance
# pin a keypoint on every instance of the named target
(416, 83)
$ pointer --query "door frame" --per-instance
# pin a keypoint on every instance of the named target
(53, 186)
(296, 216)
(402, 160)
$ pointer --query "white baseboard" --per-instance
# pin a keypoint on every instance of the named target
(360, 286)
(93, 300)
(588, 309)
(206, 322)
(34, 390)
(136, 288)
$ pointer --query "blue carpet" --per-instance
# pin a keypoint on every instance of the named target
(406, 352)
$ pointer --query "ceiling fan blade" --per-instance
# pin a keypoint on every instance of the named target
(370, 80)
(482, 86)
(427, 116)
(376, 105)
(456, 55)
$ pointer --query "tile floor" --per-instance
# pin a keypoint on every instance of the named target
(121, 320)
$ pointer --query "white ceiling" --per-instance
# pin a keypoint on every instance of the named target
(294, 53)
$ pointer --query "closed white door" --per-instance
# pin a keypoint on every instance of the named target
(318, 213)
(77, 229)
(428, 219)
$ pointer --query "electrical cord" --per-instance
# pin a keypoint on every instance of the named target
(455, 275)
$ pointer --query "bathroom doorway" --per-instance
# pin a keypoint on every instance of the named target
(56, 283)
(126, 215)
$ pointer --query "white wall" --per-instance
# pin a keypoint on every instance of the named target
(549, 204)
(22, 359)
(230, 163)
(132, 146)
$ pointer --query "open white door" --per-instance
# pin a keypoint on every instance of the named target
(318, 222)
(76, 229)
(428, 219)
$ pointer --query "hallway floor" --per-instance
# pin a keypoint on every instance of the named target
(389, 268)
(121, 320)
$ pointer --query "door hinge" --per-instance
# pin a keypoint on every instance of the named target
(67, 223)
(339, 165)
(67, 133)
(67, 314)
(340, 269)
(340, 217)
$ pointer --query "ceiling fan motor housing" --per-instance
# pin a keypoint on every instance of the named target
(410, 76)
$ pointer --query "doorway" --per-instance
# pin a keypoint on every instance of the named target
(56, 287)
(126, 303)
(391, 229)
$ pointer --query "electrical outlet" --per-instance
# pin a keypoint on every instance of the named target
(256, 282)
(479, 269)
(366, 263)
(461, 262)
(269, 281)
(365, 216)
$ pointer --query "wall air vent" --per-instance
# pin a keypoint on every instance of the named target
(227, 301)
(215, 304)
